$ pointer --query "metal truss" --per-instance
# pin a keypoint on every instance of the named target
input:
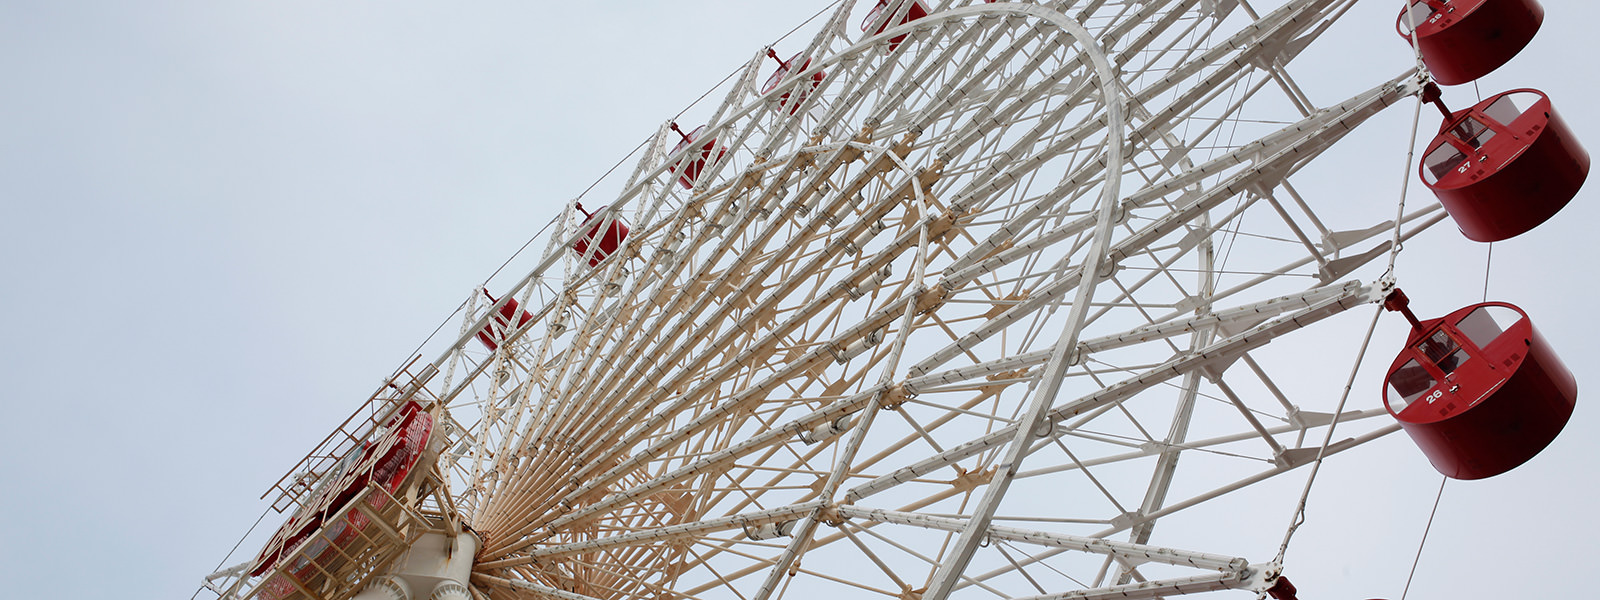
(988, 310)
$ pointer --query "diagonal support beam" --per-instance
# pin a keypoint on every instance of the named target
(1126, 550)
(1155, 589)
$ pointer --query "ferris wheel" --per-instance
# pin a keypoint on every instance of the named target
(954, 299)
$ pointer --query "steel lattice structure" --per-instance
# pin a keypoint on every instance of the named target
(983, 311)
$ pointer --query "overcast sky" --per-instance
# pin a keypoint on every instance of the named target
(225, 222)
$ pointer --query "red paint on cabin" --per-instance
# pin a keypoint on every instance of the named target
(689, 167)
(1462, 40)
(1505, 165)
(1480, 391)
(609, 240)
(917, 11)
(801, 91)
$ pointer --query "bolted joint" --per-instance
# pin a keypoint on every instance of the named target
(826, 430)
(769, 531)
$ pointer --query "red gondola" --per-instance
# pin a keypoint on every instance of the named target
(1505, 165)
(802, 91)
(608, 241)
(300, 550)
(496, 329)
(689, 168)
(917, 11)
(1479, 390)
(1283, 589)
(1462, 40)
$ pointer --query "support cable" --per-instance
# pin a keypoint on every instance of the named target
(1327, 440)
(1410, 152)
(1394, 254)
(235, 548)
(1488, 261)
(1424, 542)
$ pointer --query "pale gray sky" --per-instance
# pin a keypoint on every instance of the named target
(225, 222)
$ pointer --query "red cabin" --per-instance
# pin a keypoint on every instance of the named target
(1283, 589)
(917, 11)
(1462, 40)
(801, 92)
(322, 531)
(1479, 390)
(609, 240)
(496, 329)
(689, 168)
(1505, 165)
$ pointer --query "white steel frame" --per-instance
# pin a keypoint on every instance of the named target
(826, 368)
